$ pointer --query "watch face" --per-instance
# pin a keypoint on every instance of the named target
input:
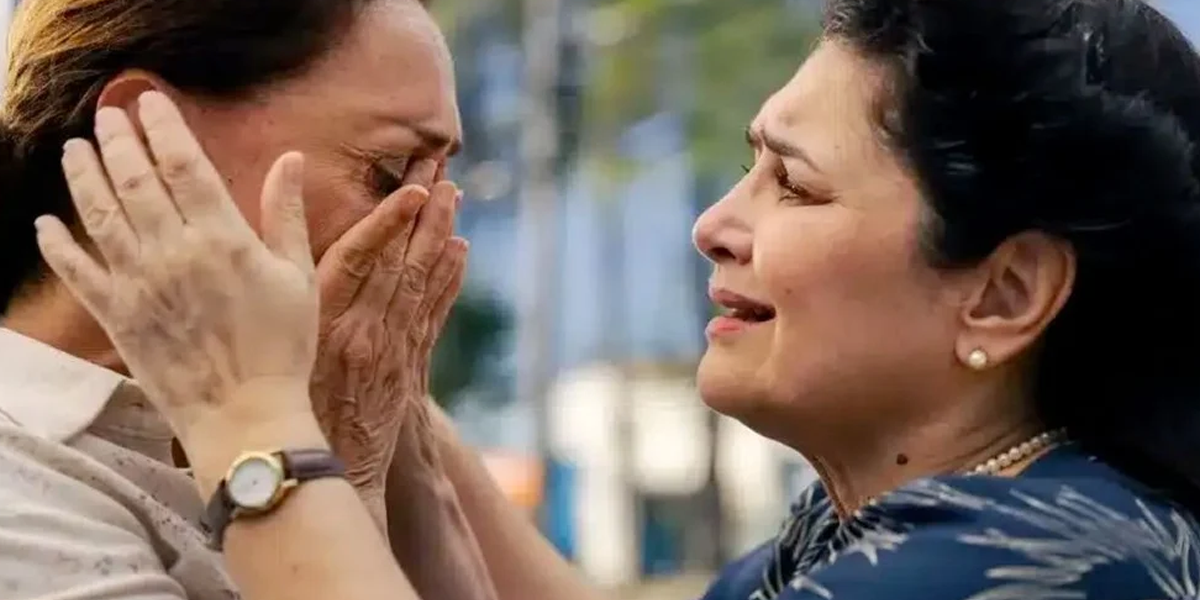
(253, 483)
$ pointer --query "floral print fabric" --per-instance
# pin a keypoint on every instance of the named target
(1069, 527)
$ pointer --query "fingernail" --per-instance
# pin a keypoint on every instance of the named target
(40, 223)
(150, 101)
(293, 168)
(106, 119)
(458, 199)
(419, 192)
(151, 98)
(72, 147)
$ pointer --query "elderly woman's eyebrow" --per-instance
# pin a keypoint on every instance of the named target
(431, 139)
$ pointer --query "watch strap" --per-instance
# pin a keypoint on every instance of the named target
(299, 466)
(217, 515)
(306, 465)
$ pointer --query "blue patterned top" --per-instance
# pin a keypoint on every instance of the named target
(1068, 527)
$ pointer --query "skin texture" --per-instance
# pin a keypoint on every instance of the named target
(377, 113)
(220, 328)
(825, 229)
(382, 325)
(375, 119)
(167, 264)
(374, 114)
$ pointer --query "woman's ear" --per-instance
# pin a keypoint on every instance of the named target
(1021, 288)
(124, 90)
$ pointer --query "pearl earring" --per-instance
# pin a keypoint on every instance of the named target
(978, 359)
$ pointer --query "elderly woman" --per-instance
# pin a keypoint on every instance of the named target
(950, 276)
(95, 504)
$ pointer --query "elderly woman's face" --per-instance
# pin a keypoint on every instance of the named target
(383, 99)
(838, 316)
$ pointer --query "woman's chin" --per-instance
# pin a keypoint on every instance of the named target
(726, 385)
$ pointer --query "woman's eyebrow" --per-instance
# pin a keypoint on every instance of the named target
(760, 137)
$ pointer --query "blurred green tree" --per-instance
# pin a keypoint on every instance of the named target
(469, 346)
(738, 53)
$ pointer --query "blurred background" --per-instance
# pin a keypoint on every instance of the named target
(597, 130)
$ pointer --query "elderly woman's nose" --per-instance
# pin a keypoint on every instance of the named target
(721, 236)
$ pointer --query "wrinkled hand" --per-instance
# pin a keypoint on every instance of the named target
(386, 289)
(196, 304)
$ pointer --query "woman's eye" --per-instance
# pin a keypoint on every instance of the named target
(794, 193)
(382, 181)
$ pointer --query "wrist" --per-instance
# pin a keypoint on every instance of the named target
(262, 417)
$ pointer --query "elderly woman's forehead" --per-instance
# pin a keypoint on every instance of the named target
(393, 69)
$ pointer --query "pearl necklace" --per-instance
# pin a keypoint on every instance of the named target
(1008, 458)
(1018, 453)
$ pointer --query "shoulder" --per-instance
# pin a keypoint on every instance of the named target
(1074, 529)
(48, 392)
(61, 533)
(1093, 535)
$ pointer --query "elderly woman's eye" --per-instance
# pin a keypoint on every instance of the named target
(383, 181)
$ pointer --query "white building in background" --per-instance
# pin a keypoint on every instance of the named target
(668, 454)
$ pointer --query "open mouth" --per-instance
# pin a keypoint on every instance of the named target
(742, 308)
(752, 314)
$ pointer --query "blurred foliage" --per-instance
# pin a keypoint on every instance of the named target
(735, 54)
(469, 346)
(740, 52)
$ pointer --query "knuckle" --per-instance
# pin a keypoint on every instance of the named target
(390, 265)
(417, 333)
(354, 261)
(179, 167)
(413, 282)
(391, 379)
(170, 259)
(207, 246)
(68, 268)
(419, 269)
(206, 239)
(359, 351)
(99, 219)
(134, 183)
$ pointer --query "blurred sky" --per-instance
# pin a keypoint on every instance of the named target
(1186, 13)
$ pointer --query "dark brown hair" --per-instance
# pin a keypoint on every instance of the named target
(1079, 119)
(63, 52)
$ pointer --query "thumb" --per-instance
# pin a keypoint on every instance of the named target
(284, 226)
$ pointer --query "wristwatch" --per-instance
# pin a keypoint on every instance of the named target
(259, 481)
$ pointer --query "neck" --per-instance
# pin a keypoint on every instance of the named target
(48, 313)
(855, 473)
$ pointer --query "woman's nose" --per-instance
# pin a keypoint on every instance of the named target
(721, 236)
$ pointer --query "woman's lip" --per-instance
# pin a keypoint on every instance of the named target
(727, 299)
(726, 325)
